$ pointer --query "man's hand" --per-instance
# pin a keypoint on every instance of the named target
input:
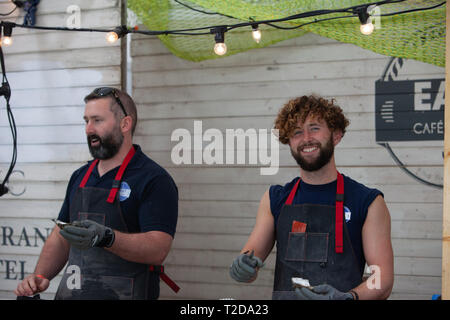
(86, 234)
(31, 285)
(322, 292)
(245, 267)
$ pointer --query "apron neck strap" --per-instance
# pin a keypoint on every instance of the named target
(339, 225)
(88, 173)
(117, 179)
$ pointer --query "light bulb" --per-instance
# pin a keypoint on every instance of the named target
(112, 37)
(367, 28)
(220, 48)
(7, 41)
(256, 34)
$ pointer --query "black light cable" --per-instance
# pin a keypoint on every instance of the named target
(5, 91)
(7, 14)
(406, 170)
(355, 11)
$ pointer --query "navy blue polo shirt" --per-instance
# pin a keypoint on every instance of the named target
(148, 195)
(357, 199)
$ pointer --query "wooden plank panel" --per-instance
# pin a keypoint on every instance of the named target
(239, 107)
(67, 59)
(418, 266)
(42, 116)
(417, 248)
(46, 134)
(65, 78)
(43, 209)
(47, 153)
(48, 98)
(417, 284)
(299, 71)
(249, 90)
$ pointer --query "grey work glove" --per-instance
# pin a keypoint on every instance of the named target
(86, 234)
(244, 267)
(322, 292)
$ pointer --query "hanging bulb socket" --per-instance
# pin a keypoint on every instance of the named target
(116, 34)
(256, 33)
(220, 48)
(7, 33)
(367, 26)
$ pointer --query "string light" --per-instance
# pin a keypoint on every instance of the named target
(112, 37)
(256, 33)
(367, 26)
(116, 34)
(220, 48)
(7, 33)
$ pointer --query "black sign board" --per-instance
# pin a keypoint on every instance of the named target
(409, 110)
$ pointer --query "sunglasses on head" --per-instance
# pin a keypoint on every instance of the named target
(106, 91)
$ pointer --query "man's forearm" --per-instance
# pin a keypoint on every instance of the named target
(149, 247)
(54, 255)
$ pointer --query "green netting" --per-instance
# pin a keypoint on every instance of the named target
(416, 35)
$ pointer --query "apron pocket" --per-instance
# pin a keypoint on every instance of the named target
(307, 247)
(96, 217)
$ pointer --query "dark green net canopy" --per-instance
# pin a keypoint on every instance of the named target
(418, 35)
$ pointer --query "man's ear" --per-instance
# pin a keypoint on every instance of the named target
(337, 136)
(126, 124)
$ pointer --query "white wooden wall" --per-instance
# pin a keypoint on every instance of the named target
(218, 204)
(49, 72)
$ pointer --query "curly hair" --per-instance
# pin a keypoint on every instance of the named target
(300, 108)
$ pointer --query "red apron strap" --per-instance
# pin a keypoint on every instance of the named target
(88, 173)
(292, 194)
(164, 277)
(339, 225)
(116, 182)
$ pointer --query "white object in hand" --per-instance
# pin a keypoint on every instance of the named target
(300, 282)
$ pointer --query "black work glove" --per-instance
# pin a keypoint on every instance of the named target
(86, 234)
(244, 267)
(322, 292)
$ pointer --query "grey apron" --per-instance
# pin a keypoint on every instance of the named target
(105, 275)
(323, 253)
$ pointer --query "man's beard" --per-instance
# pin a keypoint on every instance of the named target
(108, 147)
(325, 154)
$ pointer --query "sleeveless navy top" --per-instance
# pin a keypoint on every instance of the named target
(357, 199)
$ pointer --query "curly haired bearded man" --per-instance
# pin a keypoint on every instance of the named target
(326, 225)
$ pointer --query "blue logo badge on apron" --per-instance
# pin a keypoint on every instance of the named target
(348, 214)
(125, 191)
